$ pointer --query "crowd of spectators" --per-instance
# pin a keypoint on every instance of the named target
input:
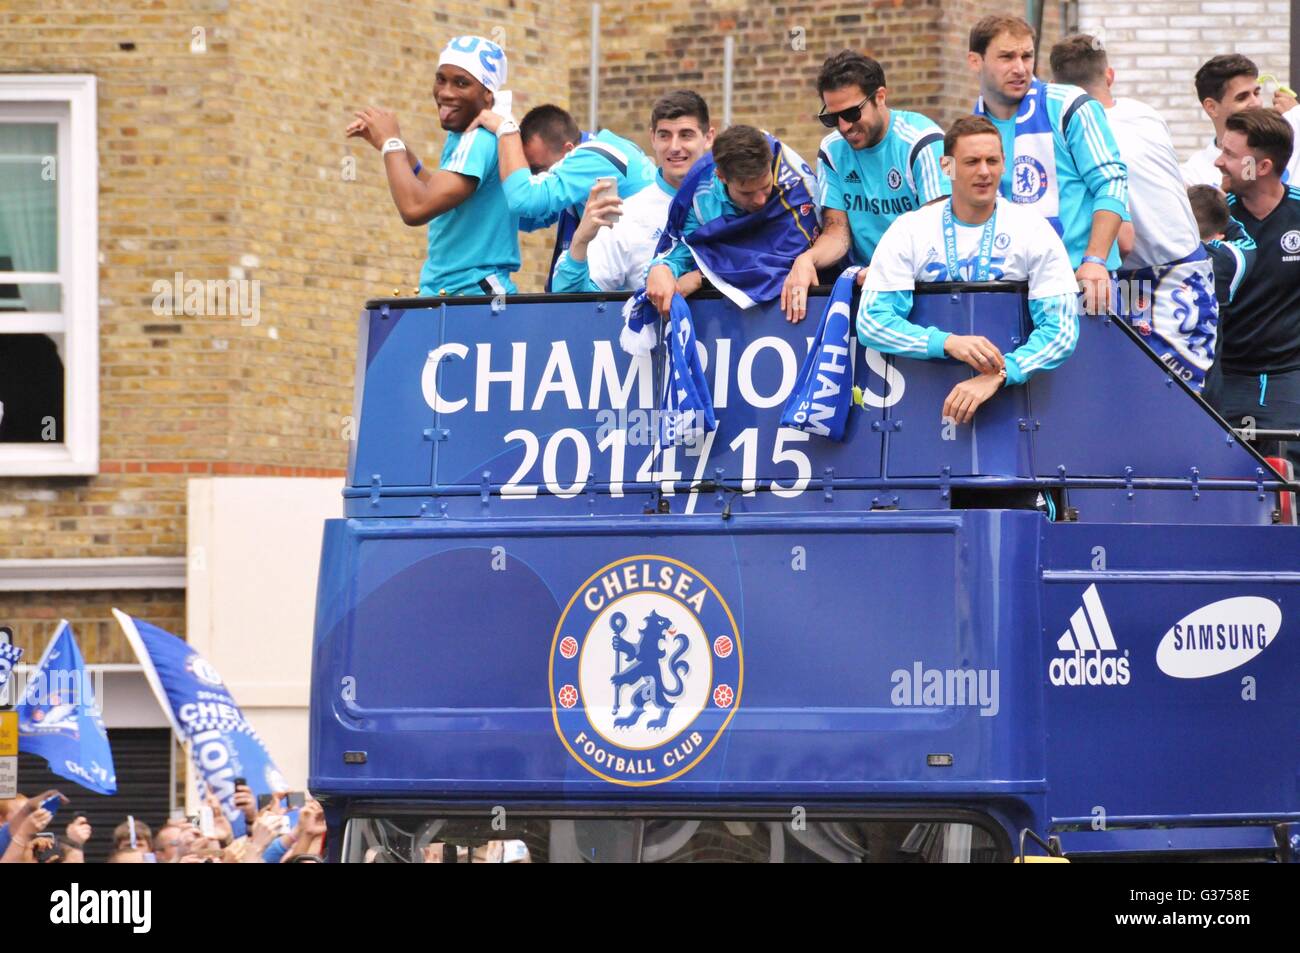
(32, 832)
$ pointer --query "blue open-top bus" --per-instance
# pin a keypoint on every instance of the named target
(1073, 626)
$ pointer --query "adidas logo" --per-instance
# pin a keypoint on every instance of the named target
(1088, 637)
(853, 177)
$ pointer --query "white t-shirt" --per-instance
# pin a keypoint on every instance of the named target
(618, 258)
(1199, 168)
(1163, 223)
(1025, 248)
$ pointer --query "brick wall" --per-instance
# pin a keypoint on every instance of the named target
(1156, 49)
(230, 162)
(34, 617)
(651, 46)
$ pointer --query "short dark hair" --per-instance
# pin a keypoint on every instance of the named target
(968, 126)
(850, 68)
(1266, 132)
(983, 32)
(1210, 207)
(1214, 75)
(742, 153)
(554, 125)
(1079, 60)
(679, 104)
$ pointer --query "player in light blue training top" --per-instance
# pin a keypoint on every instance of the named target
(974, 236)
(1062, 160)
(473, 235)
(878, 164)
(564, 163)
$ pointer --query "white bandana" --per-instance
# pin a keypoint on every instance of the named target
(482, 59)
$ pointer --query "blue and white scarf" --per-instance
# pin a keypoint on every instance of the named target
(748, 256)
(1033, 167)
(823, 392)
(685, 405)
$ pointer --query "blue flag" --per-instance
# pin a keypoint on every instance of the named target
(59, 720)
(823, 391)
(203, 714)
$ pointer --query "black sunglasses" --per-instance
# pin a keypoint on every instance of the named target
(852, 114)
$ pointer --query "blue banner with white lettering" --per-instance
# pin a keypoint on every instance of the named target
(203, 713)
(823, 391)
(59, 718)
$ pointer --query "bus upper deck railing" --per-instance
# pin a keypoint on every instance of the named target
(526, 406)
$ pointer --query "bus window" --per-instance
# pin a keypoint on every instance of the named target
(411, 839)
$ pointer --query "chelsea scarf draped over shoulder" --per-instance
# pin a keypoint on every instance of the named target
(1033, 166)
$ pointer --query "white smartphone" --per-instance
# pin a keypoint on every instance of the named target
(609, 186)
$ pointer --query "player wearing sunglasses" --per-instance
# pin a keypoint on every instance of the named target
(876, 165)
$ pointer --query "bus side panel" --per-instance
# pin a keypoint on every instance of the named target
(1169, 670)
(876, 654)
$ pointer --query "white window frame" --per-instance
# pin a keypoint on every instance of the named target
(71, 101)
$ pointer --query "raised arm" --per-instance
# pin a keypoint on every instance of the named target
(419, 199)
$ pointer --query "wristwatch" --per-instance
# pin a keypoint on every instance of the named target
(393, 145)
(507, 128)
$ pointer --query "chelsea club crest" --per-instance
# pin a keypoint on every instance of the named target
(646, 671)
(1028, 180)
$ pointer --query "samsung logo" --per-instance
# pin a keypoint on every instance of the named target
(1219, 637)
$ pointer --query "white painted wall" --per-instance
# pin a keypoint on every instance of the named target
(254, 552)
(1155, 49)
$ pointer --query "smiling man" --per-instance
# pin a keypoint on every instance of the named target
(1225, 85)
(1258, 381)
(975, 236)
(1062, 161)
(473, 236)
(877, 164)
(615, 239)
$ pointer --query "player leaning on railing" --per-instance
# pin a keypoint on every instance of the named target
(975, 236)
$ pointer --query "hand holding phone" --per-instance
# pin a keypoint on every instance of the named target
(609, 189)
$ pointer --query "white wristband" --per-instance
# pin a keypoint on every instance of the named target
(507, 128)
(393, 145)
